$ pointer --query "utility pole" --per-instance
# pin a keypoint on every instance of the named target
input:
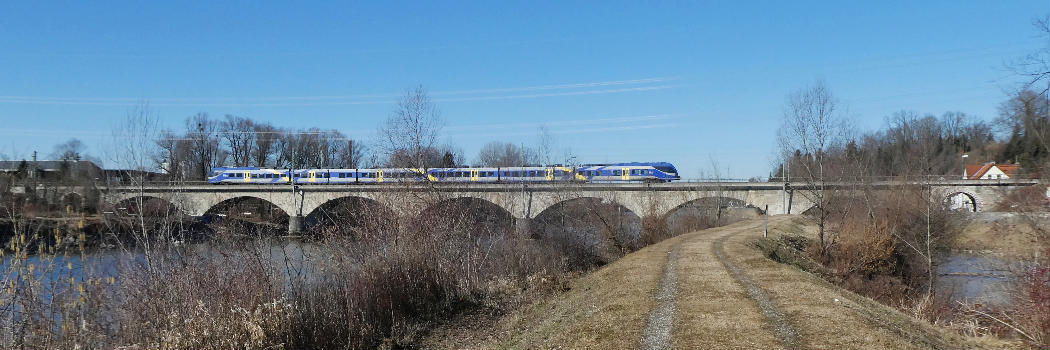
(765, 224)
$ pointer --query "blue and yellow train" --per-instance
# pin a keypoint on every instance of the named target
(619, 172)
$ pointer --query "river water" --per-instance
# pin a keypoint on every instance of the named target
(297, 258)
(974, 278)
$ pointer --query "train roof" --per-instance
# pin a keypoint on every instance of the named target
(235, 168)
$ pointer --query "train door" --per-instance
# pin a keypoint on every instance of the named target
(473, 175)
(625, 174)
(379, 176)
(550, 174)
(247, 176)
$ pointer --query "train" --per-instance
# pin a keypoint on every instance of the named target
(618, 172)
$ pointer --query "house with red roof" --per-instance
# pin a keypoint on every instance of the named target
(992, 171)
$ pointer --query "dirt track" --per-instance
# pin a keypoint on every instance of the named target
(710, 289)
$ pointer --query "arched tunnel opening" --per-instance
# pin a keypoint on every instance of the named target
(353, 217)
(707, 212)
(245, 216)
(961, 202)
(589, 231)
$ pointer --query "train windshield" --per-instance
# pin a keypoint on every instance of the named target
(215, 172)
(666, 169)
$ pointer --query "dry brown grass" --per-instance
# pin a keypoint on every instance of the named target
(830, 317)
(1003, 234)
(606, 309)
(713, 310)
(609, 308)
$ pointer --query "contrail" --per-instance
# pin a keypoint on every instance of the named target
(386, 98)
(559, 123)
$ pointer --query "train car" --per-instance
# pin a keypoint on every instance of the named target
(627, 172)
(247, 175)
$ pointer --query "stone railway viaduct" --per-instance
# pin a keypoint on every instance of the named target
(527, 201)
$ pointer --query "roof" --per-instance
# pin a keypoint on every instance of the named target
(44, 165)
(975, 171)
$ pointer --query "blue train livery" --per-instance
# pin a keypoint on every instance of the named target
(595, 173)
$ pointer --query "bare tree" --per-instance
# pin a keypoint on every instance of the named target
(411, 130)
(1035, 67)
(545, 146)
(265, 138)
(503, 154)
(355, 154)
(204, 146)
(813, 126)
(239, 134)
(136, 151)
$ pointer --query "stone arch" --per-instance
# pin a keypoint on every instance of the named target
(468, 213)
(962, 200)
(702, 213)
(629, 202)
(246, 207)
(721, 201)
(344, 215)
(130, 204)
(590, 230)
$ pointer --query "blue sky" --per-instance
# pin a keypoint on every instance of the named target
(687, 82)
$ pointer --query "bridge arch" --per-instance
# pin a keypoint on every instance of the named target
(633, 205)
(712, 202)
(962, 201)
(247, 207)
(146, 204)
(466, 213)
(352, 215)
(589, 230)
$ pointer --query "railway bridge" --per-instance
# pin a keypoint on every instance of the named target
(525, 201)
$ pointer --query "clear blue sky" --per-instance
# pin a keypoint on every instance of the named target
(614, 81)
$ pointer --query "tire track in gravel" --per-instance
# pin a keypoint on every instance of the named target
(782, 328)
(657, 334)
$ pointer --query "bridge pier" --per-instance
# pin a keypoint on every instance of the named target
(523, 226)
(295, 224)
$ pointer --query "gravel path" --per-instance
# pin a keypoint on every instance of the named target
(657, 334)
(782, 328)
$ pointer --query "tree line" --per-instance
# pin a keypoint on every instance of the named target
(822, 143)
(407, 139)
